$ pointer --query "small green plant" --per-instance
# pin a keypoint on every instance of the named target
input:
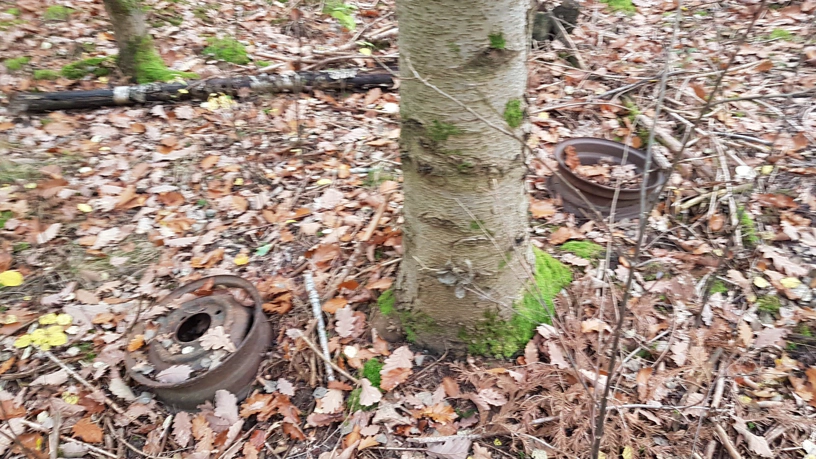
(804, 330)
(583, 249)
(57, 13)
(781, 34)
(625, 6)
(718, 286)
(20, 246)
(262, 64)
(16, 63)
(342, 12)
(497, 41)
(769, 304)
(4, 217)
(513, 114)
(13, 11)
(202, 12)
(92, 66)
(227, 49)
(45, 74)
(701, 13)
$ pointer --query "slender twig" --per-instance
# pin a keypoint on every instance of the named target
(645, 207)
(85, 383)
(727, 443)
(93, 448)
(328, 361)
(809, 92)
(317, 311)
(372, 226)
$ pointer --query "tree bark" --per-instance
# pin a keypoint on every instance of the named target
(128, 20)
(465, 235)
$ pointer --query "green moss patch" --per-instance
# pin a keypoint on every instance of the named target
(410, 321)
(781, 34)
(748, 228)
(513, 114)
(386, 302)
(93, 66)
(625, 6)
(13, 12)
(769, 304)
(371, 371)
(227, 49)
(495, 336)
(16, 63)
(57, 13)
(45, 75)
(439, 131)
(718, 286)
(150, 66)
(497, 41)
(583, 249)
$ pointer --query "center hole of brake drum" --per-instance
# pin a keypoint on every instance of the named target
(193, 327)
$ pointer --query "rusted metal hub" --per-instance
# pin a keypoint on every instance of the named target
(592, 151)
(177, 342)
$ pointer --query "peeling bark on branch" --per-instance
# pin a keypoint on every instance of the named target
(195, 90)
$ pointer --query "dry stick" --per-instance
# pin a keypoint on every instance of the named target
(729, 446)
(809, 92)
(42, 428)
(136, 450)
(317, 311)
(374, 221)
(642, 226)
(87, 385)
(328, 361)
(53, 438)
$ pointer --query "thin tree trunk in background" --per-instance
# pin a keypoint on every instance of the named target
(128, 20)
(463, 180)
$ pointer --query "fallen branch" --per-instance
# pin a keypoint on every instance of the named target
(726, 442)
(328, 361)
(196, 90)
(317, 310)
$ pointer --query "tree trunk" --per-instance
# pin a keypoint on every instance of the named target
(137, 58)
(465, 234)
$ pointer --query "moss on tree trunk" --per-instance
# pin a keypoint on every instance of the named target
(466, 244)
(137, 58)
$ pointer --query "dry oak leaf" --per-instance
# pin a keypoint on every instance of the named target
(492, 397)
(175, 374)
(451, 449)
(369, 394)
(226, 406)
(217, 338)
(564, 234)
(182, 429)
(344, 325)
(439, 412)
(756, 443)
(87, 431)
(136, 343)
(542, 209)
(451, 387)
(334, 304)
(394, 377)
(381, 284)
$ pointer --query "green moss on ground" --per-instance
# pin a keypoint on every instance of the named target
(748, 228)
(57, 13)
(495, 336)
(79, 69)
(781, 34)
(386, 302)
(513, 114)
(769, 304)
(718, 286)
(13, 12)
(583, 249)
(625, 6)
(46, 75)
(16, 63)
(497, 41)
(371, 371)
(227, 49)
(439, 131)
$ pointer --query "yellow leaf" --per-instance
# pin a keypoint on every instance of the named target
(48, 319)
(628, 453)
(790, 282)
(544, 115)
(64, 319)
(30, 186)
(497, 442)
(9, 319)
(761, 282)
(11, 278)
(239, 181)
(85, 208)
(767, 169)
(69, 398)
(57, 339)
(365, 51)
(324, 181)
(241, 259)
(23, 341)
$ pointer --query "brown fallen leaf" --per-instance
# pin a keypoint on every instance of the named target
(87, 431)
(564, 234)
(542, 209)
(716, 222)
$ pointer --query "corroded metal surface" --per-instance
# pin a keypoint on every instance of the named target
(591, 151)
(181, 327)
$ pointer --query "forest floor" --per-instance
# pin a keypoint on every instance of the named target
(103, 212)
